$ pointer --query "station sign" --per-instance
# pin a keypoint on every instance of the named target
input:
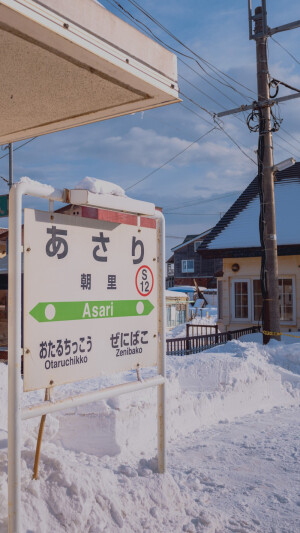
(3, 205)
(90, 296)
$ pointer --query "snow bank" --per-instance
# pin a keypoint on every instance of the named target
(94, 458)
(100, 186)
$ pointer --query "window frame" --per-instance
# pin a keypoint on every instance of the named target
(233, 283)
(187, 271)
(293, 321)
(283, 322)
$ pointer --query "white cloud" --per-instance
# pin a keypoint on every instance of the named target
(150, 149)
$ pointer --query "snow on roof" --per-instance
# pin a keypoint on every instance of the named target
(191, 238)
(238, 228)
(183, 288)
(175, 294)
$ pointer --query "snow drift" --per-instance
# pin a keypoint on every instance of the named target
(95, 458)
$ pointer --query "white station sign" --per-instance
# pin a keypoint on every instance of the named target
(90, 296)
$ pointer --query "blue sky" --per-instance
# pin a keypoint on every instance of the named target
(200, 184)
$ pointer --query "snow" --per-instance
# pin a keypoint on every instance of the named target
(183, 288)
(243, 229)
(209, 318)
(174, 294)
(233, 453)
(98, 186)
(47, 189)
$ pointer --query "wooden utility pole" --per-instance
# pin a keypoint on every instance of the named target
(269, 277)
(271, 318)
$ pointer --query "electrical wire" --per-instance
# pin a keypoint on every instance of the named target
(287, 142)
(290, 135)
(169, 160)
(207, 81)
(192, 214)
(211, 114)
(285, 49)
(209, 97)
(195, 57)
(276, 143)
(202, 92)
(18, 147)
(173, 237)
(201, 201)
(207, 63)
(220, 127)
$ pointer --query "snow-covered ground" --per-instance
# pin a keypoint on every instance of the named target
(233, 450)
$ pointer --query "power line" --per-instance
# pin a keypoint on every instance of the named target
(290, 135)
(283, 148)
(220, 127)
(207, 81)
(197, 202)
(207, 63)
(197, 114)
(169, 160)
(202, 92)
(212, 115)
(287, 142)
(286, 50)
(18, 147)
(192, 214)
(173, 237)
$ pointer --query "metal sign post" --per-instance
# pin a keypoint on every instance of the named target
(107, 289)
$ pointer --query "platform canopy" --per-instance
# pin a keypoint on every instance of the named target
(65, 63)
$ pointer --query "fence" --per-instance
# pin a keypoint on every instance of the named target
(198, 343)
(193, 330)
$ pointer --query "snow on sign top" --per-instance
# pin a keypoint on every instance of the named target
(98, 186)
(70, 63)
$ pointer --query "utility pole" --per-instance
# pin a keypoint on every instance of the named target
(267, 223)
(270, 290)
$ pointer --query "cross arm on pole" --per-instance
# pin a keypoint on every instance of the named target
(256, 104)
(284, 27)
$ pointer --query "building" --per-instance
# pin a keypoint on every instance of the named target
(235, 240)
(190, 264)
(73, 62)
(177, 308)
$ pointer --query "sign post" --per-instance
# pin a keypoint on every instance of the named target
(93, 305)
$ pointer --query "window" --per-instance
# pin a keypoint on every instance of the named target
(286, 300)
(196, 244)
(241, 300)
(187, 265)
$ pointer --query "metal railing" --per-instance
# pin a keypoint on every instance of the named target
(198, 343)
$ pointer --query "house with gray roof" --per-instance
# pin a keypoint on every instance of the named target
(190, 265)
(235, 239)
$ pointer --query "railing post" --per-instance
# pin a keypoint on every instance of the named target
(187, 339)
